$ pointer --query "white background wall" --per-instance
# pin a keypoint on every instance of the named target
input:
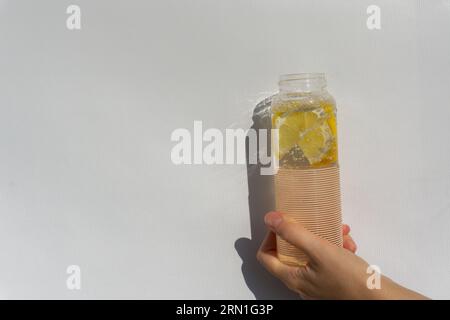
(86, 117)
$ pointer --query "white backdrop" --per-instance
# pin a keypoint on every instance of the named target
(86, 116)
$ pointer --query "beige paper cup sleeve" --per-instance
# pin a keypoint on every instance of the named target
(311, 197)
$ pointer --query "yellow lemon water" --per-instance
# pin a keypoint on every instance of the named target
(307, 134)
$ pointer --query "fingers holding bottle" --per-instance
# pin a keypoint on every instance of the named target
(348, 242)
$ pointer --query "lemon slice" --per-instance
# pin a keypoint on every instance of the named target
(315, 143)
(292, 126)
(328, 108)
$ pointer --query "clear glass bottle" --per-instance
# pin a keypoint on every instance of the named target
(307, 186)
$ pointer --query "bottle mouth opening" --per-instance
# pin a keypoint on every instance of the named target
(302, 82)
(302, 76)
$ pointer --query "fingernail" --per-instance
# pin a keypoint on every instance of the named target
(273, 219)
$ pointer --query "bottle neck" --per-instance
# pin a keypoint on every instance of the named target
(302, 83)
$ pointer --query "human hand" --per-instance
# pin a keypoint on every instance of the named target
(332, 272)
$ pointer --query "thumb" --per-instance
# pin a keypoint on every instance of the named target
(294, 233)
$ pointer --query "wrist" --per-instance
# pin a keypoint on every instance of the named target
(389, 290)
(374, 290)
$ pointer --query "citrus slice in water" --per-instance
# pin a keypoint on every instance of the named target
(292, 126)
(315, 143)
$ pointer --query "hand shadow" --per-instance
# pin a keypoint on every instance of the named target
(260, 200)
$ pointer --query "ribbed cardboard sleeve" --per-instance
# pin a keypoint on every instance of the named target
(311, 197)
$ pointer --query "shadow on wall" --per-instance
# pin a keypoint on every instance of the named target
(260, 201)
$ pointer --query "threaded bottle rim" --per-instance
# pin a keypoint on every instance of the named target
(302, 82)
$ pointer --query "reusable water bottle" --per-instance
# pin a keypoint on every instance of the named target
(307, 187)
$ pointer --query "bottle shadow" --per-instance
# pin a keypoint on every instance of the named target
(260, 200)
